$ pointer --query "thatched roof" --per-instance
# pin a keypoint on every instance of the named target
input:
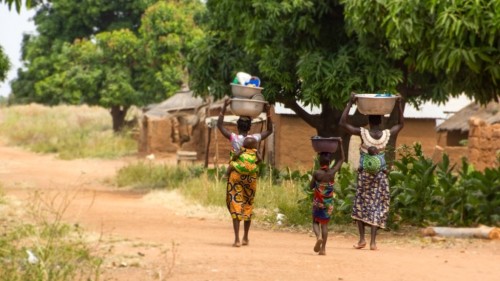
(182, 101)
(460, 120)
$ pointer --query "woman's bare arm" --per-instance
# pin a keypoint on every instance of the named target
(338, 165)
(343, 119)
(396, 128)
(220, 122)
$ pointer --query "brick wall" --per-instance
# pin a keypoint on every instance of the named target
(484, 143)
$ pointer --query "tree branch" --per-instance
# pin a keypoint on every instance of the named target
(312, 120)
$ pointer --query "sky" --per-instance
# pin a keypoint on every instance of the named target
(12, 27)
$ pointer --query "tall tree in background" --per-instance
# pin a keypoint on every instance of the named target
(63, 21)
(4, 60)
(134, 63)
(4, 65)
(319, 52)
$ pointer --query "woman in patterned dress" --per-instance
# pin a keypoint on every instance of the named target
(240, 188)
(371, 204)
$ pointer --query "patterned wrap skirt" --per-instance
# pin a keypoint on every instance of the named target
(323, 202)
(240, 194)
(371, 204)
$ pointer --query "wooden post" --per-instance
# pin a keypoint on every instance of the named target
(207, 150)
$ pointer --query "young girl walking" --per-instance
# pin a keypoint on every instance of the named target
(322, 183)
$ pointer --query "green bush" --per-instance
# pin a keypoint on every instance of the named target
(425, 193)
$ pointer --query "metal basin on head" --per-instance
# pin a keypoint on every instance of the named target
(375, 104)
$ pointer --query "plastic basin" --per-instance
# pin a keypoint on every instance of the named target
(246, 92)
(322, 144)
(247, 107)
(371, 104)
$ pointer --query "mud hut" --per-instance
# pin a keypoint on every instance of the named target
(473, 132)
(172, 124)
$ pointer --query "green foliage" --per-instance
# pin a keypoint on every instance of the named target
(114, 58)
(150, 175)
(345, 190)
(72, 132)
(18, 4)
(424, 193)
(4, 65)
(319, 52)
(449, 47)
(412, 185)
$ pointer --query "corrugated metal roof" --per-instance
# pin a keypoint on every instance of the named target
(427, 110)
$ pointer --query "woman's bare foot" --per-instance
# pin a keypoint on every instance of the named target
(317, 246)
(360, 245)
(373, 247)
(245, 242)
(322, 253)
(236, 244)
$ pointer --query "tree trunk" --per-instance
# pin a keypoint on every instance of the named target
(390, 152)
(118, 114)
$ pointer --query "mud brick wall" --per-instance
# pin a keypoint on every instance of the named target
(484, 143)
(155, 136)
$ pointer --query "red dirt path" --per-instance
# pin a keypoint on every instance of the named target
(149, 235)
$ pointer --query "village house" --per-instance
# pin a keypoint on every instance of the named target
(188, 124)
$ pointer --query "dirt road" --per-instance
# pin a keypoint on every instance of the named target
(152, 236)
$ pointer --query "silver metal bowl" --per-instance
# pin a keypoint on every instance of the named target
(247, 107)
(246, 92)
(371, 104)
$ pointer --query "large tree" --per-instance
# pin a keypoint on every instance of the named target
(4, 65)
(4, 60)
(134, 63)
(319, 52)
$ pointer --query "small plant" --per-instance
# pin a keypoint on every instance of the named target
(42, 247)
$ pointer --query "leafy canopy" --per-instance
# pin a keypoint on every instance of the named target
(319, 52)
(112, 61)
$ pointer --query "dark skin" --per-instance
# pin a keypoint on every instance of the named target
(376, 133)
(325, 176)
(248, 143)
(242, 130)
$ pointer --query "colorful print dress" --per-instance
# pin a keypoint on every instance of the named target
(323, 202)
(241, 188)
(371, 204)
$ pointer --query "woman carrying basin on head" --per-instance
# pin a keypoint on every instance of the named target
(241, 188)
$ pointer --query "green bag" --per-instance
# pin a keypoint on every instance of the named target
(371, 163)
